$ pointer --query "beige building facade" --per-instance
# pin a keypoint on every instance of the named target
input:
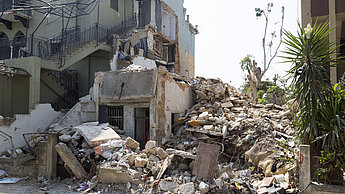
(332, 11)
(62, 44)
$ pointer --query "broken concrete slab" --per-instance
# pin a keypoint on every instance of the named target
(206, 162)
(113, 175)
(95, 135)
(187, 188)
(213, 133)
(165, 165)
(71, 161)
(181, 153)
(168, 185)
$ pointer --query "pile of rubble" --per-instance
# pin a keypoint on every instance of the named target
(256, 141)
(223, 143)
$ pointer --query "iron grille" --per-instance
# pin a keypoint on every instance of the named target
(115, 116)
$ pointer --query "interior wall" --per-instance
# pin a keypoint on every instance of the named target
(20, 95)
(5, 95)
(14, 96)
(87, 67)
(37, 120)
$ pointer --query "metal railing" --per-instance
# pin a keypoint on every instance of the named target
(6, 5)
(61, 46)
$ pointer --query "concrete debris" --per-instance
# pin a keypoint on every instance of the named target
(223, 144)
(246, 133)
(131, 143)
(71, 161)
(204, 188)
(187, 188)
(95, 135)
(206, 162)
(3, 174)
(168, 186)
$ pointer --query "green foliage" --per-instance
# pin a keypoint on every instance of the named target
(328, 162)
(274, 91)
(259, 11)
(309, 52)
(321, 117)
(246, 63)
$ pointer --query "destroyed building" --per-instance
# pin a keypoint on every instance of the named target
(144, 103)
(54, 49)
(61, 44)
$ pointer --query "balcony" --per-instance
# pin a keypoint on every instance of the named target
(11, 12)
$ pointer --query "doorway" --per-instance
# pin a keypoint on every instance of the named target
(142, 125)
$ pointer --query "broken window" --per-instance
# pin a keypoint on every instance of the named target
(171, 53)
(142, 125)
(174, 124)
(114, 4)
(115, 116)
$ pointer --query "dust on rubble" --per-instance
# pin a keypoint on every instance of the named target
(255, 151)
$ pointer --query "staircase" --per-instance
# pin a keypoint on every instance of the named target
(75, 44)
(69, 81)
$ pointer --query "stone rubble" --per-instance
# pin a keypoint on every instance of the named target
(258, 149)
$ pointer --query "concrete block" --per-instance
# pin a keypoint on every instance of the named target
(140, 162)
(161, 153)
(305, 174)
(187, 188)
(150, 144)
(168, 186)
(131, 143)
(95, 135)
(204, 187)
(71, 161)
(112, 175)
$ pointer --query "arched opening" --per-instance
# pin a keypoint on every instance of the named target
(18, 43)
(5, 48)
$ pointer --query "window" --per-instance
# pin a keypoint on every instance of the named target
(115, 116)
(114, 4)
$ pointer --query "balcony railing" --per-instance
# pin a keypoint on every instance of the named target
(63, 44)
(6, 5)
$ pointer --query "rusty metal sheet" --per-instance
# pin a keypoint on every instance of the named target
(206, 162)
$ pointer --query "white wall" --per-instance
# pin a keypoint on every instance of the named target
(81, 112)
(178, 99)
(172, 27)
(128, 121)
(165, 23)
(145, 62)
(38, 120)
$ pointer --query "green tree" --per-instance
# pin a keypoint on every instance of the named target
(320, 118)
(255, 72)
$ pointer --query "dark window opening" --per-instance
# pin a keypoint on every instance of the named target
(174, 124)
(142, 125)
(18, 44)
(5, 47)
(114, 4)
(115, 116)
(171, 53)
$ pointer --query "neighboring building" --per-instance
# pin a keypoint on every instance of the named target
(61, 44)
(332, 11)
